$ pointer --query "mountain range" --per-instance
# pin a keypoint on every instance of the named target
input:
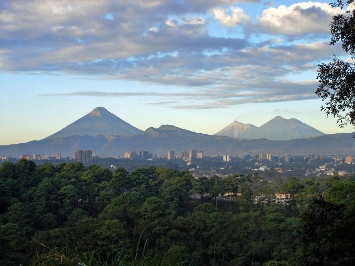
(277, 128)
(107, 135)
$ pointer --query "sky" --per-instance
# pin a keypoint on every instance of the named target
(195, 64)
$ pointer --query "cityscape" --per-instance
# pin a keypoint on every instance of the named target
(265, 164)
(229, 138)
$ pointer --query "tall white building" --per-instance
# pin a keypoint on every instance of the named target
(226, 158)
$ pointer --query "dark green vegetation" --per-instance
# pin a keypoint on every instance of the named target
(70, 214)
(337, 78)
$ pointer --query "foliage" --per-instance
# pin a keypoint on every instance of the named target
(327, 235)
(71, 214)
(337, 78)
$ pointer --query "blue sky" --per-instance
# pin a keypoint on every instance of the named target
(198, 65)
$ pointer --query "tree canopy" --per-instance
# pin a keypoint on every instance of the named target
(337, 78)
(71, 214)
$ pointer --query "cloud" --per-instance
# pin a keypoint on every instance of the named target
(298, 19)
(236, 18)
(170, 44)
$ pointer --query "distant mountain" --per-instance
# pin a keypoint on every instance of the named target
(107, 135)
(277, 128)
(163, 139)
(236, 130)
(98, 122)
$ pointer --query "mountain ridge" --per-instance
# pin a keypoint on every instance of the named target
(277, 128)
(236, 129)
(168, 137)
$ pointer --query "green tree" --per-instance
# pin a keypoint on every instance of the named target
(112, 241)
(23, 215)
(246, 198)
(68, 196)
(126, 209)
(176, 192)
(121, 180)
(45, 170)
(154, 223)
(293, 186)
(327, 234)
(9, 189)
(337, 78)
(13, 245)
(202, 186)
(341, 193)
(147, 181)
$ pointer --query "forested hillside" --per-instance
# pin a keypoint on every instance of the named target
(70, 214)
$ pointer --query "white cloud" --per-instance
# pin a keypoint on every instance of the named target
(170, 23)
(168, 42)
(236, 18)
(194, 21)
(298, 19)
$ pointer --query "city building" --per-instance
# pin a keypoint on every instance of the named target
(145, 155)
(226, 158)
(269, 157)
(130, 155)
(83, 156)
(26, 156)
(192, 154)
(171, 155)
(349, 159)
(36, 156)
(199, 154)
(57, 156)
(185, 155)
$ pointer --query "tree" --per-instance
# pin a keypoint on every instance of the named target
(337, 78)
(327, 234)
(293, 186)
(13, 245)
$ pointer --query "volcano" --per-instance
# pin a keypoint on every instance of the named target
(98, 122)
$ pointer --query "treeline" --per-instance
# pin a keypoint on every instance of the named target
(70, 214)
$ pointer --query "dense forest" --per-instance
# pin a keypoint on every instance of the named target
(71, 214)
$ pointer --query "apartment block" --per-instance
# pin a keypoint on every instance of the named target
(83, 156)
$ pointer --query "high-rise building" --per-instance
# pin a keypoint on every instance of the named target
(199, 154)
(171, 155)
(226, 158)
(287, 158)
(57, 156)
(269, 157)
(144, 155)
(83, 156)
(36, 156)
(185, 155)
(130, 155)
(192, 154)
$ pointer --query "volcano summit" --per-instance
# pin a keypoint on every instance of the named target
(98, 122)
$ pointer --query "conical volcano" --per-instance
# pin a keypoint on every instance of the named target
(236, 130)
(280, 128)
(98, 122)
